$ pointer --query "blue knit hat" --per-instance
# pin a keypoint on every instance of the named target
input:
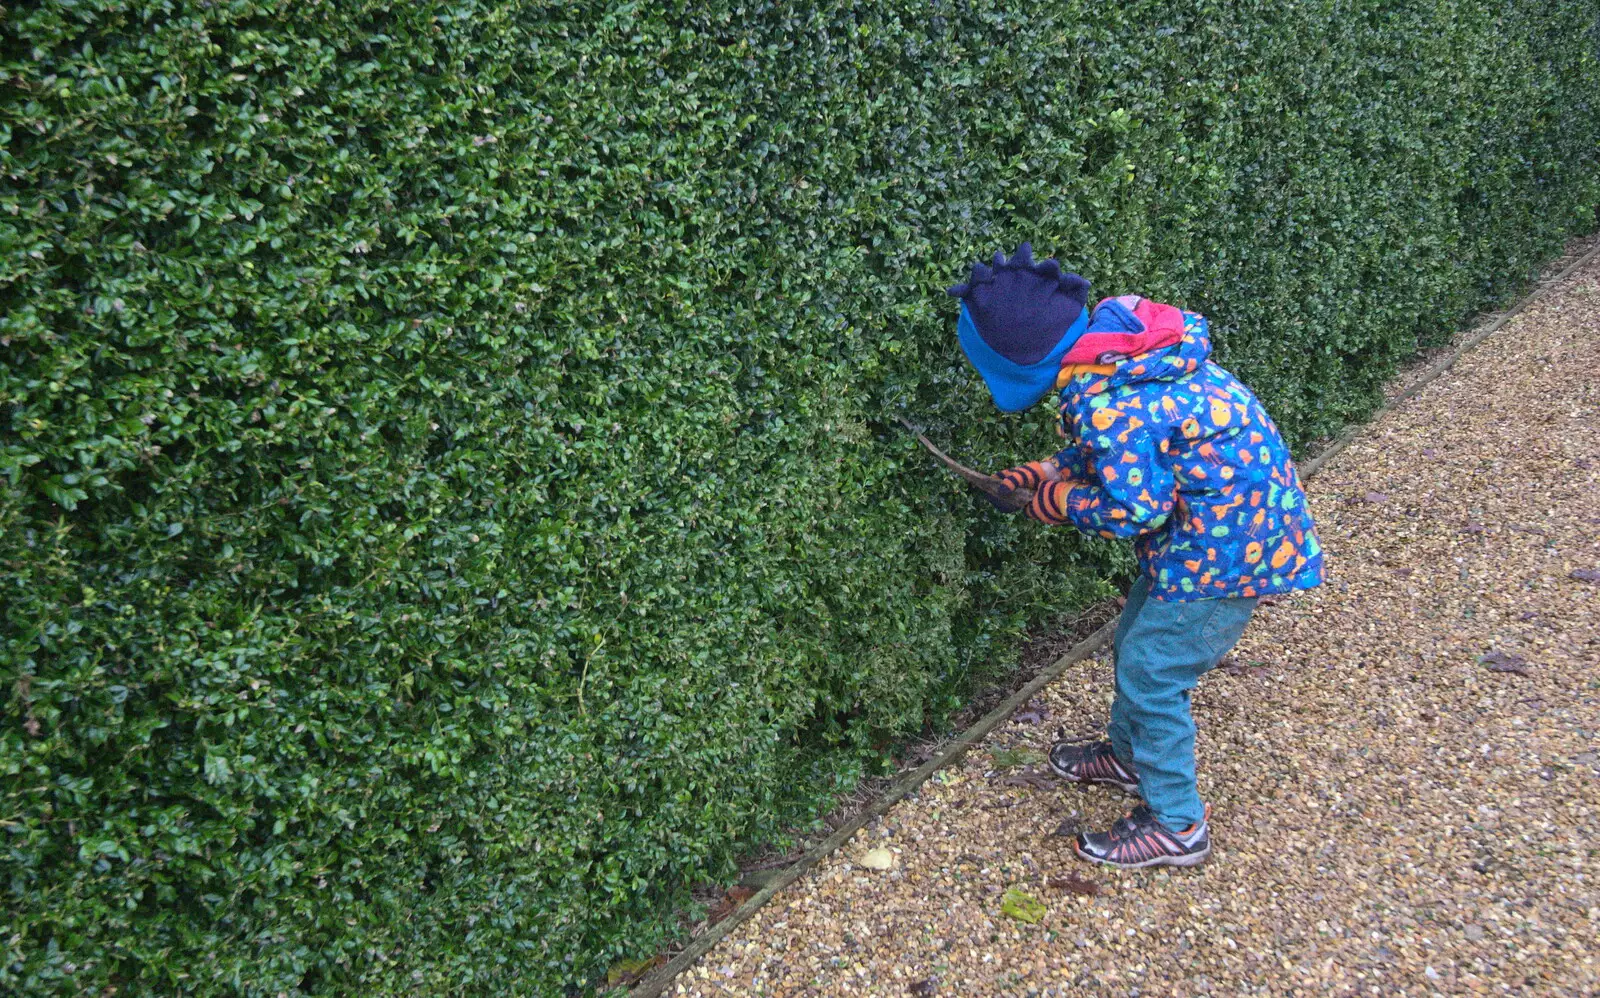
(1018, 319)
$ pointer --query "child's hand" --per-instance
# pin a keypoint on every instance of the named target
(1030, 475)
(1049, 504)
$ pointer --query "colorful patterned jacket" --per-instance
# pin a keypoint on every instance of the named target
(1175, 451)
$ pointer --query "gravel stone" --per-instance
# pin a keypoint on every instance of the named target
(1390, 817)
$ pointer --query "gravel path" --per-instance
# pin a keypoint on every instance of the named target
(1392, 814)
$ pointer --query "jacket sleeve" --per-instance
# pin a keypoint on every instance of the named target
(1132, 490)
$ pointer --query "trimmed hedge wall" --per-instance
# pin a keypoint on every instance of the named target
(450, 501)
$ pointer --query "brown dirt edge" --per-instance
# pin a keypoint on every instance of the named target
(659, 979)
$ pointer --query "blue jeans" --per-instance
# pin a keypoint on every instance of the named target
(1162, 648)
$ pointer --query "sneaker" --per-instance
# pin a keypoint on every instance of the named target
(1139, 840)
(1092, 763)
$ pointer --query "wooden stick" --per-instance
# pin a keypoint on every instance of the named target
(1003, 495)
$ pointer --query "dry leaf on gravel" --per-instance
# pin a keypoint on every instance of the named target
(729, 903)
(1012, 758)
(628, 971)
(877, 859)
(1499, 661)
(1022, 906)
(1033, 712)
(1234, 667)
(1074, 884)
(1068, 829)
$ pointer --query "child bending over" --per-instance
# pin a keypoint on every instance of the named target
(1166, 448)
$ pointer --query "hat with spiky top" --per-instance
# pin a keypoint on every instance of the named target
(1018, 319)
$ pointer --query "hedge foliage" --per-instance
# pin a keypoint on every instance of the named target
(450, 496)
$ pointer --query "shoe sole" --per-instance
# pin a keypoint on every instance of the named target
(1127, 788)
(1190, 859)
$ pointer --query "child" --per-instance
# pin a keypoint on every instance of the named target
(1169, 449)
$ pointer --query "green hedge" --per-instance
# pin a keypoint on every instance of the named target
(450, 497)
